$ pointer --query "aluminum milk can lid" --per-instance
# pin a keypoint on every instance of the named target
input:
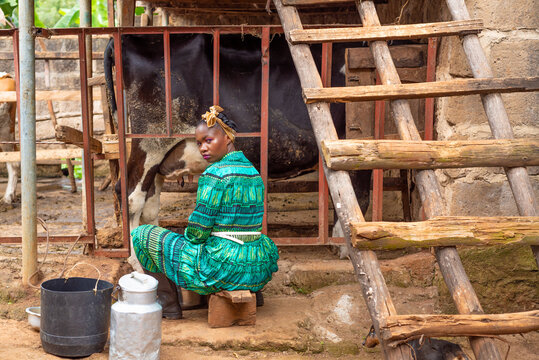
(137, 282)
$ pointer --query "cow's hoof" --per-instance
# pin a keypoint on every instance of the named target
(135, 264)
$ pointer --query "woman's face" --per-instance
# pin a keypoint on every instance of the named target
(212, 142)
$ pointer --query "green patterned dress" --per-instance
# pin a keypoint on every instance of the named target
(230, 198)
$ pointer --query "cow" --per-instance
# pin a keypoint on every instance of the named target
(292, 146)
(7, 134)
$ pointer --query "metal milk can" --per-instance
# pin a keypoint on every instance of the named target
(135, 319)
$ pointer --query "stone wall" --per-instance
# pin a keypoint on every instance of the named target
(64, 75)
(511, 42)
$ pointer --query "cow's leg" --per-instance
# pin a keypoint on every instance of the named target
(150, 212)
(11, 189)
(144, 191)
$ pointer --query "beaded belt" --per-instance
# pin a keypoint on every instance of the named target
(231, 235)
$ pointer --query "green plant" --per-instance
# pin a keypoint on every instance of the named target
(54, 13)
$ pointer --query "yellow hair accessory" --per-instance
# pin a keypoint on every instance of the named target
(210, 117)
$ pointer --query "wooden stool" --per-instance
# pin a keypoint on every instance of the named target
(227, 308)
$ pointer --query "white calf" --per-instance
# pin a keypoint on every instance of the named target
(7, 133)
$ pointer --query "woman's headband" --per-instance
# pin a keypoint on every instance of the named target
(211, 118)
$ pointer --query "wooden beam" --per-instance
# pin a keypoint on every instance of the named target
(46, 95)
(498, 120)
(385, 33)
(398, 154)
(96, 80)
(446, 231)
(405, 56)
(52, 55)
(457, 87)
(402, 327)
(126, 12)
(49, 154)
(429, 188)
(322, 2)
(73, 136)
(365, 263)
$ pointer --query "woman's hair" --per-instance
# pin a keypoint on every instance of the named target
(228, 122)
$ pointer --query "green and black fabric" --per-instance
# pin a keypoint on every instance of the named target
(230, 198)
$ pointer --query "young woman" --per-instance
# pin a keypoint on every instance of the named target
(222, 247)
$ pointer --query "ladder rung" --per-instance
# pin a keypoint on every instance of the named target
(387, 32)
(457, 87)
(402, 327)
(323, 2)
(399, 154)
(446, 231)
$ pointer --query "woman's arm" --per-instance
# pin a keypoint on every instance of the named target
(209, 194)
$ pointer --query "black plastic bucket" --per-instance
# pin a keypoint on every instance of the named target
(75, 319)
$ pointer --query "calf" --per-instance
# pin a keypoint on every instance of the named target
(7, 134)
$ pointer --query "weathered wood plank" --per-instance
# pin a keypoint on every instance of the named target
(405, 56)
(398, 154)
(498, 120)
(430, 193)
(457, 87)
(365, 263)
(446, 231)
(322, 2)
(387, 32)
(49, 154)
(96, 80)
(52, 55)
(73, 136)
(401, 327)
(49, 95)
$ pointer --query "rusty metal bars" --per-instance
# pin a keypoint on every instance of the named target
(264, 120)
(86, 131)
(126, 236)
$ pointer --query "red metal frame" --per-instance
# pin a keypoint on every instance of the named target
(431, 76)
(168, 85)
(216, 63)
(378, 174)
(323, 191)
(88, 162)
(264, 120)
(117, 32)
(126, 235)
(17, 79)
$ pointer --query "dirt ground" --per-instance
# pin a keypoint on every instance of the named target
(314, 308)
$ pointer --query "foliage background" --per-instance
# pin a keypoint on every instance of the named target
(54, 13)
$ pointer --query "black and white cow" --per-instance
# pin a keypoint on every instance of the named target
(7, 134)
(292, 147)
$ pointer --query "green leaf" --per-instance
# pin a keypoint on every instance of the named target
(38, 22)
(139, 10)
(69, 19)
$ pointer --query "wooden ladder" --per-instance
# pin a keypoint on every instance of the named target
(440, 231)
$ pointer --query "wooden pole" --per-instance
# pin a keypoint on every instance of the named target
(404, 327)
(126, 12)
(446, 231)
(429, 189)
(497, 117)
(387, 32)
(398, 154)
(365, 263)
(458, 87)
